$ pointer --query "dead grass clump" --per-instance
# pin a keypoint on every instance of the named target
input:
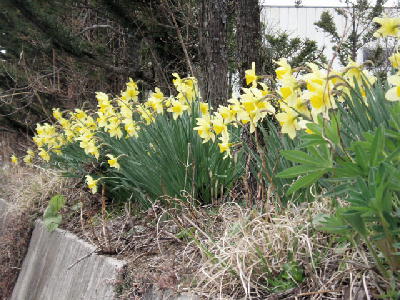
(251, 255)
(24, 187)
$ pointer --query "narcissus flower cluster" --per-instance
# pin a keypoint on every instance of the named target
(300, 96)
(121, 117)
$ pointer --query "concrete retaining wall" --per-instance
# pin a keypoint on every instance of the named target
(60, 266)
(3, 211)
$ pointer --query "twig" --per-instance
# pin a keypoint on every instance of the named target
(317, 292)
(80, 259)
(103, 216)
(94, 27)
(181, 41)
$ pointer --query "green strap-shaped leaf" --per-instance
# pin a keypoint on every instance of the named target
(298, 170)
(301, 157)
(377, 146)
(306, 180)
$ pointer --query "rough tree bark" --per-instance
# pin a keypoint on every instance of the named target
(248, 35)
(248, 43)
(214, 50)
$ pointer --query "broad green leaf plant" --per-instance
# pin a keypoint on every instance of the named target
(351, 150)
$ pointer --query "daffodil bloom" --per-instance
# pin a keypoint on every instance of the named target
(167, 102)
(235, 105)
(27, 159)
(101, 119)
(57, 114)
(204, 108)
(80, 114)
(91, 183)
(89, 123)
(225, 145)
(90, 147)
(113, 161)
(14, 159)
(187, 88)
(131, 84)
(131, 92)
(156, 101)
(177, 81)
(288, 121)
(300, 106)
(218, 124)
(113, 127)
(353, 72)
(44, 154)
(105, 105)
(315, 77)
(250, 75)
(177, 108)
(101, 97)
(64, 123)
(145, 114)
(227, 114)
(265, 90)
(203, 128)
(285, 92)
(256, 107)
(389, 27)
(395, 60)
(124, 109)
(130, 127)
(320, 99)
(284, 68)
(393, 94)
(29, 156)
(38, 140)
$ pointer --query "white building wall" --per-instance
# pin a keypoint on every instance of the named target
(299, 22)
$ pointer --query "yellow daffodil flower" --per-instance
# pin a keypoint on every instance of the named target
(29, 156)
(177, 108)
(131, 127)
(156, 101)
(250, 75)
(288, 121)
(395, 60)
(284, 68)
(389, 27)
(113, 161)
(203, 128)
(14, 159)
(91, 183)
(227, 113)
(393, 94)
(44, 154)
(225, 145)
(57, 114)
(204, 108)
(218, 124)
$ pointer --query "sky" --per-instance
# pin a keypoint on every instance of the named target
(314, 2)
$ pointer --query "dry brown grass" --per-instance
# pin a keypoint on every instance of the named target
(246, 255)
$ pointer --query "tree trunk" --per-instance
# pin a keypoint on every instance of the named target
(248, 35)
(248, 42)
(213, 50)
